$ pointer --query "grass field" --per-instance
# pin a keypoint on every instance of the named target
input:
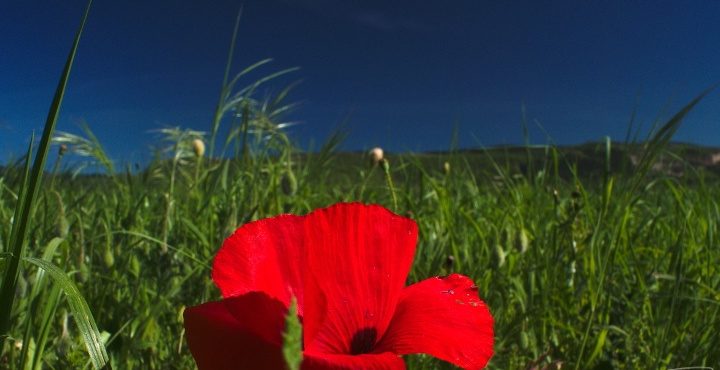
(611, 265)
(616, 271)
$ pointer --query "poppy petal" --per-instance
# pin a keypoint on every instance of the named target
(358, 258)
(443, 317)
(381, 361)
(265, 256)
(236, 333)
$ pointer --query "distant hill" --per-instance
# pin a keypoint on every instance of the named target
(587, 159)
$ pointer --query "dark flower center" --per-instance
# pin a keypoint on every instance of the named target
(363, 341)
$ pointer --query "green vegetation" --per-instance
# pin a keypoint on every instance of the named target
(586, 258)
(589, 269)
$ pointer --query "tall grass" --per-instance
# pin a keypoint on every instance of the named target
(24, 217)
(606, 269)
(581, 270)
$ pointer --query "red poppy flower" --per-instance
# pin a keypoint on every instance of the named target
(347, 266)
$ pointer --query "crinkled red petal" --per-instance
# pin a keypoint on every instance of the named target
(445, 318)
(237, 333)
(358, 257)
(266, 256)
(381, 361)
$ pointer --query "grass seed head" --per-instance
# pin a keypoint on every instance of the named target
(108, 257)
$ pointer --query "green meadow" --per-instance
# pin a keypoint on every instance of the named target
(600, 256)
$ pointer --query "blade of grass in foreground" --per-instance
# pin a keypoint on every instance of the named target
(30, 190)
(80, 310)
(9, 281)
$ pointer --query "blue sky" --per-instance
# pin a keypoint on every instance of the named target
(403, 73)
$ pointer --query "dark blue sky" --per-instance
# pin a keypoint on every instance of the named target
(403, 72)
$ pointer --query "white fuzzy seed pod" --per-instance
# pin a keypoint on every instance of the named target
(376, 155)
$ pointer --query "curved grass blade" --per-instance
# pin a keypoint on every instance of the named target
(48, 310)
(245, 92)
(661, 139)
(252, 67)
(46, 322)
(80, 310)
(20, 225)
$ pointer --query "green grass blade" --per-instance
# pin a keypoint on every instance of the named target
(44, 320)
(21, 194)
(20, 225)
(231, 85)
(225, 88)
(661, 138)
(80, 310)
(247, 91)
(9, 281)
(47, 314)
(292, 338)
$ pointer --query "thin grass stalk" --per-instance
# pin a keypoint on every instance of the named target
(391, 186)
(225, 91)
(17, 215)
(528, 150)
(35, 300)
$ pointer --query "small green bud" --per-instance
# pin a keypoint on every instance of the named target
(289, 183)
(523, 241)
(135, 266)
(499, 256)
(292, 338)
(108, 258)
(62, 226)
